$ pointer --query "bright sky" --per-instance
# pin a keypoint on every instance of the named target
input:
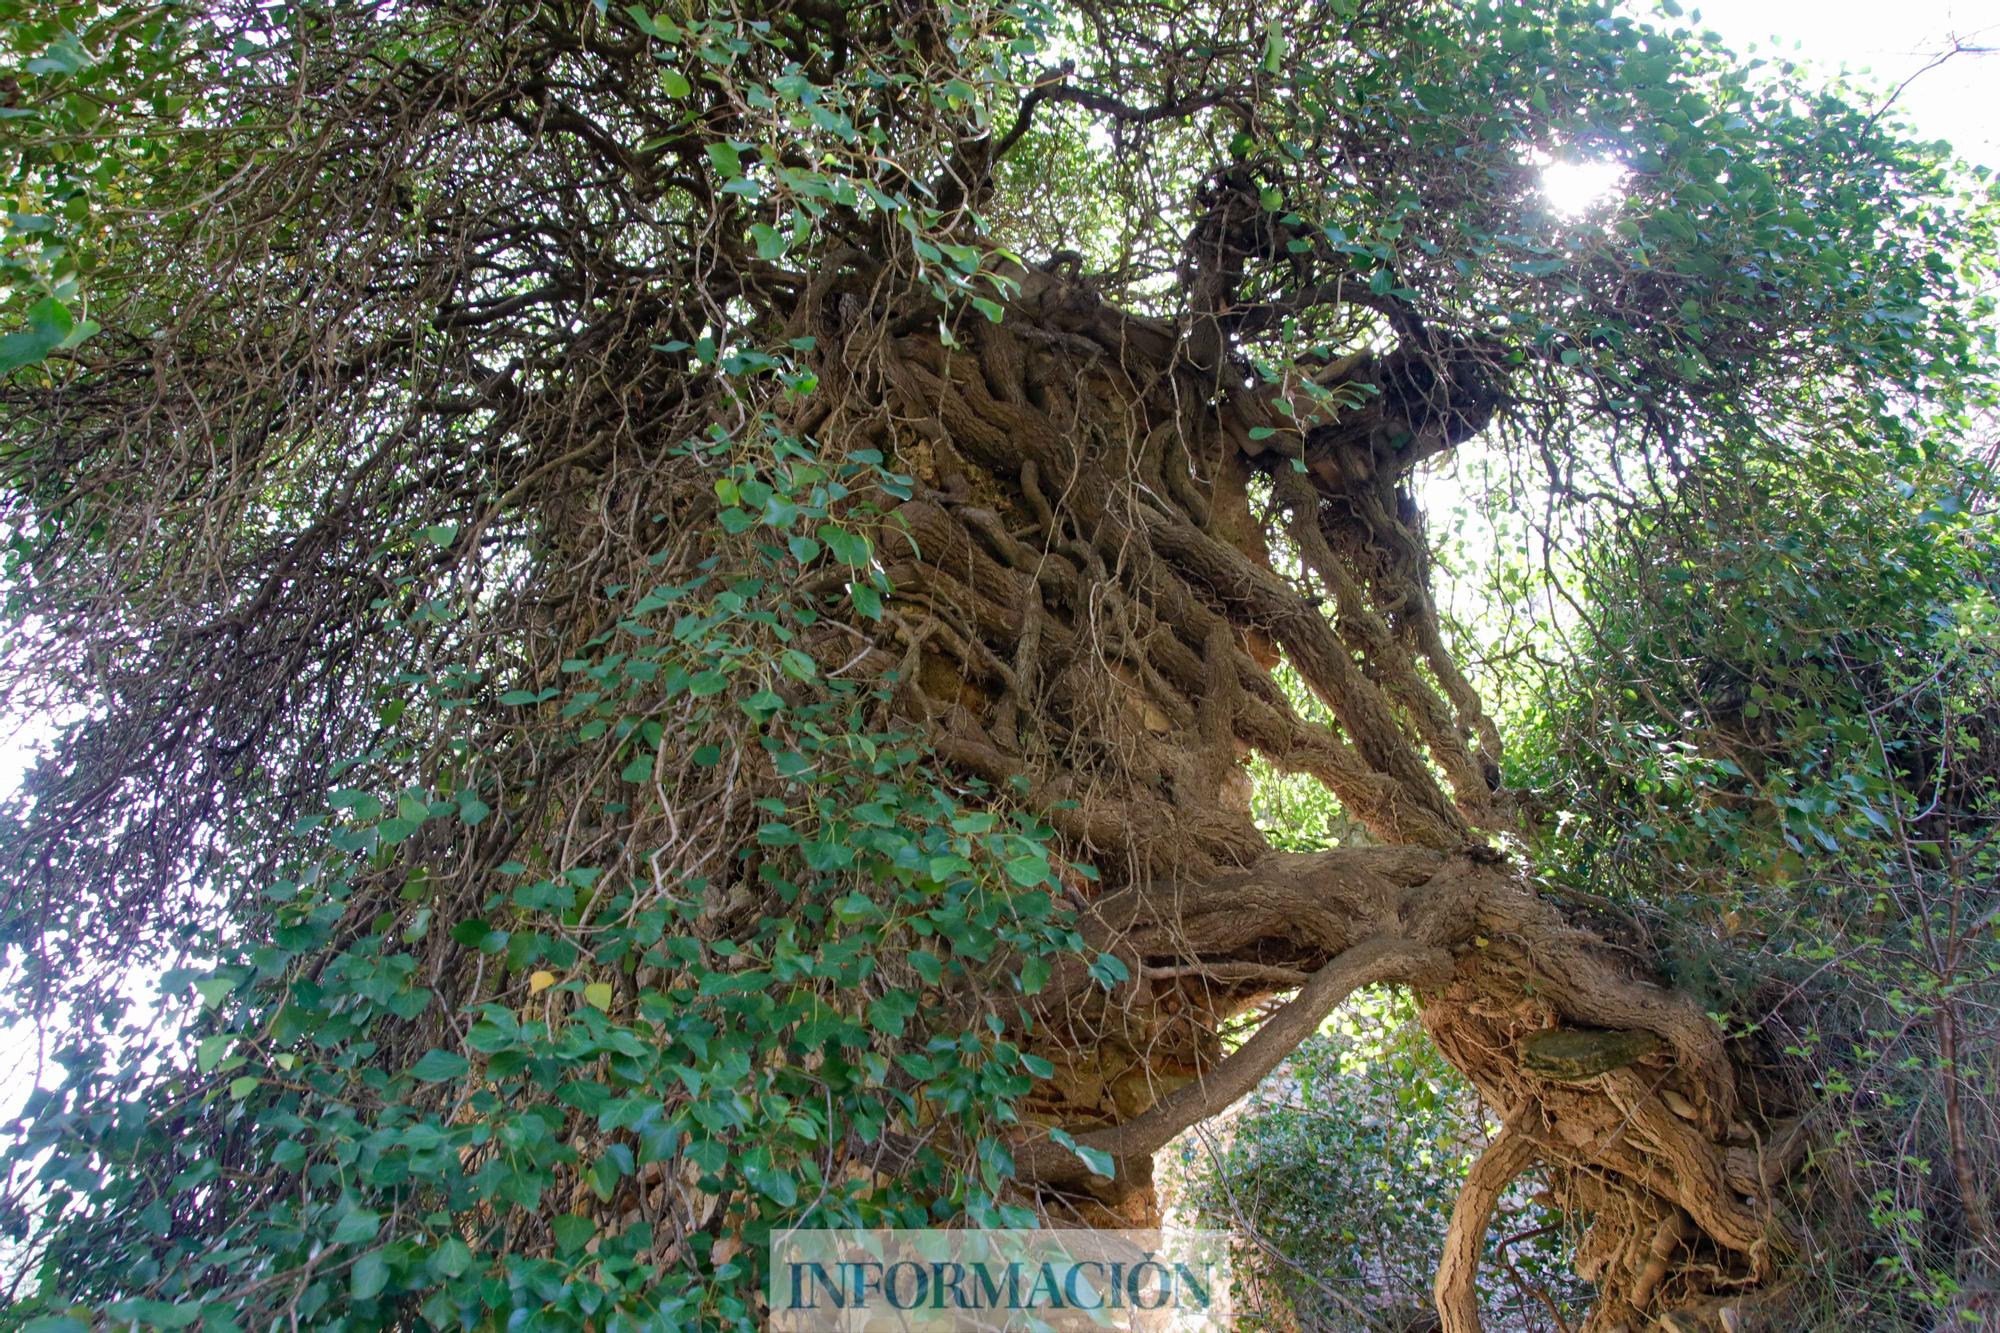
(1951, 98)
(1957, 101)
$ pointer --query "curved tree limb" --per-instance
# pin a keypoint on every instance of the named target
(1373, 961)
(1456, 1288)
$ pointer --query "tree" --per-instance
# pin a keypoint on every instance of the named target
(778, 527)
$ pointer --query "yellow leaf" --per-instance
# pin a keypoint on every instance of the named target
(598, 993)
(540, 981)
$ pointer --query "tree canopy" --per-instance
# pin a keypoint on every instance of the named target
(681, 620)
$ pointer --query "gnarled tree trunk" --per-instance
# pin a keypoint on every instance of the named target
(1085, 607)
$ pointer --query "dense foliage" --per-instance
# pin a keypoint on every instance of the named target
(1338, 1177)
(1789, 768)
(1789, 752)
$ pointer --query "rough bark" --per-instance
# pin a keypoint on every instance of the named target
(1086, 607)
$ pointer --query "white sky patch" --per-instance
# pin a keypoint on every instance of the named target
(1573, 188)
(1951, 100)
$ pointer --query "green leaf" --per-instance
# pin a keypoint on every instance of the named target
(438, 1066)
(1035, 975)
(158, 1314)
(370, 1276)
(452, 1257)
(772, 1183)
(726, 159)
(572, 1232)
(1028, 870)
(359, 1225)
(1540, 268)
(50, 326)
(209, 1054)
(1098, 1161)
(656, 26)
(365, 805)
(1109, 971)
(1275, 47)
(850, 548)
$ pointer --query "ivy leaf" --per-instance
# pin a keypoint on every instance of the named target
(50, 326)
(1109, 971)
(1035, 975)
(866, 600)
(371, 1275)
(726, 159)
(357, 1226)
(1098, 1161)
(1028, 870)
(451, 1258)
(852, 549)
(572, 1232)
(438, 1066)
(772, 1183)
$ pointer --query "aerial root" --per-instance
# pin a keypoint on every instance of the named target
(1456, 1287)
